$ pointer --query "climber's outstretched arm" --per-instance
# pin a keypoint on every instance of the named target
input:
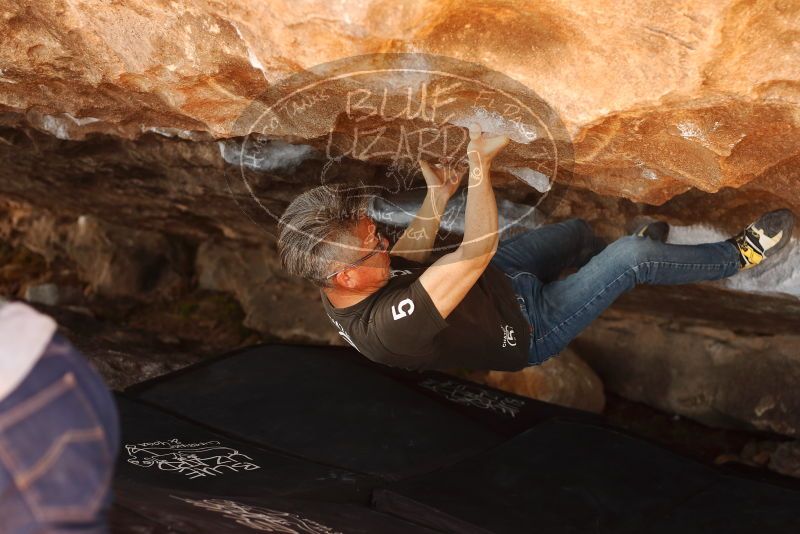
(416, 243)
(449, 279)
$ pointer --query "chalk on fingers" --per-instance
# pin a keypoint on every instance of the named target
(474, 131)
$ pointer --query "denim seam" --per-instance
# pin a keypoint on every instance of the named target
(70, 355)
(75, 512)
(54, 390)
(56, 347)
(97, 421)
(86, 510)
(631, 268)
(54, 451)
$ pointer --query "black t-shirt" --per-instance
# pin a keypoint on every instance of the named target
(399, 325)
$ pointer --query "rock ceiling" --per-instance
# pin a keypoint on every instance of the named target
(658, 97)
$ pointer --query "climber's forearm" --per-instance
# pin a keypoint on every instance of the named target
(480, 217)
(418, 238)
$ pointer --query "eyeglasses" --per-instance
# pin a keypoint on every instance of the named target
(380, 247)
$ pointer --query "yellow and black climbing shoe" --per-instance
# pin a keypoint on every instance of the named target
(658, 230)
(766, 236)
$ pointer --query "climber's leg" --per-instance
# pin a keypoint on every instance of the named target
(546, 251)
(562, 309)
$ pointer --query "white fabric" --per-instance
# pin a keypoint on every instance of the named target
(24, 334)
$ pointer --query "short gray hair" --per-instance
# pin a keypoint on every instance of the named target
(314, 228)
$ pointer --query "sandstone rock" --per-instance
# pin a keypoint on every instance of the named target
(118, 261)
(47, 294)
(708, 373)
(782, 457)
(564, 379)
(786, 459)
(123, 356)
(115, 111)
(37, 230)
(170, 186)
(113, 259)
(657, 101)
(19, 268)
(274, 304)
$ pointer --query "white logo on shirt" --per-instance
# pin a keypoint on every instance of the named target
(508, 336)
(398, 272)
(399, 312)
(342, 333)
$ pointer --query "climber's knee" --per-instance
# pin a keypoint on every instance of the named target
(632, 251)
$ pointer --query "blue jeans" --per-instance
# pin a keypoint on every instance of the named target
(558, 310)
(59, 436)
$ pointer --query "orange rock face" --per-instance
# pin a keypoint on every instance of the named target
(691, 107)
(657, 97)
(565, 380)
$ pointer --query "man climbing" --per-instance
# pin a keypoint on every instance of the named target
(488, 304)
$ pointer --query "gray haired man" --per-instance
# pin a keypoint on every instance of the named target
(488, 304)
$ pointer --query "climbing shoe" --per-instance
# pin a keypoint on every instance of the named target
(658, 230)
(766, 236)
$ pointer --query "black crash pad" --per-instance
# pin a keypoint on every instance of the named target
(505, 413)
(325, 405)
(121, 520)
(162, 451)
(563, 476)
(145, 510)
